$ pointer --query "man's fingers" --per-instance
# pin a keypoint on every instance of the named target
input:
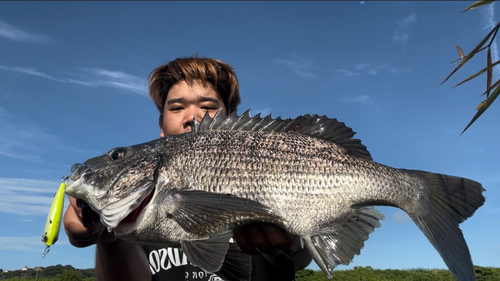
(266, 238)
(83, 241)
(74, 205)
(245, 243)
(259, 239)
(78, 234)
(281, 239)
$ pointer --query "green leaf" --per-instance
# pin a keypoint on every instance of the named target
(473, 52)
(494, 86)
(489, 74)
(478, 4)
(476, 74)
(483, 106)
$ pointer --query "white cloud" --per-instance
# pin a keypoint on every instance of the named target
(369, 69)
(29, 71)
(26, 197)
(96, 78)
(4, 112)
(364, 99)
(30, 243)
(376, 69)
(25, 140)
(11, 96)
(118, 80)
(400, 216)
(299, 66)
(397, 71)
(20, 243)
(346, 72)
(22, 142)
(18, 35)
(402, 33)
(360, 66)
(33, 71)
(376, 111)
(489, 19)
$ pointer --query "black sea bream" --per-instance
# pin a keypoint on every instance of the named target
(306, 175)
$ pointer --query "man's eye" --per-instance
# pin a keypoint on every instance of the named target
(207, 108)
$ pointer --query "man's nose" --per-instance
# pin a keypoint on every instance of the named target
(190, 115)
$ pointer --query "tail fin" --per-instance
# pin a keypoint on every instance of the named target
(451, 200)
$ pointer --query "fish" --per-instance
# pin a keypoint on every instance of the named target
(307, 175)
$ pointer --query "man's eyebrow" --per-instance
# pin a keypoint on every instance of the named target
(200, 99)
(178, 100)
(208, 99)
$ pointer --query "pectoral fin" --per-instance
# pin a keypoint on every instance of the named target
(237, 265)
(204, 213)
(208, 254)
(218, 256)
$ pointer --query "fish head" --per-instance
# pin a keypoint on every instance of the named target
(118, 184)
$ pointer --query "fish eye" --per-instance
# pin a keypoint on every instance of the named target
(116, 154)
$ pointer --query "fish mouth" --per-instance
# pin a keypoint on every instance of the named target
(132, 217)
(77, 187)
(130, 222)
(78, 171)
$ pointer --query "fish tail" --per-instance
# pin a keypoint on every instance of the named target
(450, 201)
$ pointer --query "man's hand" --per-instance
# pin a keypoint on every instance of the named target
(116, 259)
(80, 235)
(280, 248)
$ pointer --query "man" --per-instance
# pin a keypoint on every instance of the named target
(182, 89)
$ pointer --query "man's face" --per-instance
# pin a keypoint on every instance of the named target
(183, 102)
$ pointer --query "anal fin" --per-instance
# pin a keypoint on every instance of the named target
(346, 240)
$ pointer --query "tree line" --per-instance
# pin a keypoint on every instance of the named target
(50, 273)
(358, 273)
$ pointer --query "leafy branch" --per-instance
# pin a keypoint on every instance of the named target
(492, 91)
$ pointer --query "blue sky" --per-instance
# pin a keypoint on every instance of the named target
(73, 84)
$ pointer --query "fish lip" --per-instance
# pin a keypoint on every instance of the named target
(71, 183)
(77, 173)
(76, 178)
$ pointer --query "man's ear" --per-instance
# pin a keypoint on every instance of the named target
(160, 123)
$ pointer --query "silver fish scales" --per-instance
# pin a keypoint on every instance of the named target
(306, 175)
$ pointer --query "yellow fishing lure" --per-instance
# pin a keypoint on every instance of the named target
(53, 223)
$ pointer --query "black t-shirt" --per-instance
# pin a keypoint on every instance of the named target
(171, 264)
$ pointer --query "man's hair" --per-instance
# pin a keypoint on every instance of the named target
(210, 72)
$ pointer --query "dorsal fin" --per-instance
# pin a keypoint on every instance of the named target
(321, 127)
